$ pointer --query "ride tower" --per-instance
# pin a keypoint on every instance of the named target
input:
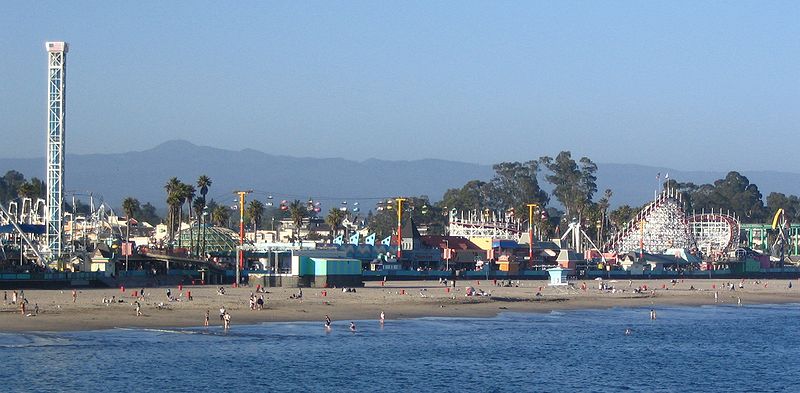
(56, 112)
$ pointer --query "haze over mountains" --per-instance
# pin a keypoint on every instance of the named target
(112, 177)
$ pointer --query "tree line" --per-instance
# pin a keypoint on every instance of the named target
(513, 186)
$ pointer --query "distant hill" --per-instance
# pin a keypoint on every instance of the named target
(143, 174)
(331, 180)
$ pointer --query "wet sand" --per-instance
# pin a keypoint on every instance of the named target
(59, 313)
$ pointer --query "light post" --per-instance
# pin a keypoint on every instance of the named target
(531, 206)
(205, 220)
(400, 228)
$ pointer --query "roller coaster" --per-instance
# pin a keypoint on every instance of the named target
(664, 224)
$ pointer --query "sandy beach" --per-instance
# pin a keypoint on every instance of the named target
(408, 299)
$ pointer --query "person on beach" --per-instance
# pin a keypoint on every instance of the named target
(22, 308)
(169, 294)
(74, 295)
(205, 321)
(138, 308)
(327, 321)
(227, 321)
(352, 326)
(36, 309)
(260, 302)
(141, 293)
(716, 297)
(5, 294)
(14, 297)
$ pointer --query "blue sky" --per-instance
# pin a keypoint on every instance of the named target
(683, 84)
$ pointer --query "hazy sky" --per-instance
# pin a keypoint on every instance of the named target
(689, 85)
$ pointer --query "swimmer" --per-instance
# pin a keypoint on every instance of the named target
(352, 326)
(628, 331)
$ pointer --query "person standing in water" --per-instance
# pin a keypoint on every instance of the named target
(227, 321)
(205, 322)
(352, 326)
(383, 317)
(327, 321)
(652, 314)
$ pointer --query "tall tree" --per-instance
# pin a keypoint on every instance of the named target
(255, 213)
(574, 183)
(130, 205)
(334, 220)
(203, 182)
(220, 215)
(173, 188)
(515, 185)
(734, 193)
(474, 195)
(147, 213)
(602, 207)
(297, 211)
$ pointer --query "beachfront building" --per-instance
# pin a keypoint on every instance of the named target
(416, 254)
(462, 254)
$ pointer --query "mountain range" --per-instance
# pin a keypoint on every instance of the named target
(143, 174)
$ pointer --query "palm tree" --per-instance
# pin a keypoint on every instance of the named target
(298, 212)
(188, 192)
(203, 182)
(220, 215)
(198, 206)
(173, 188)
(130, 206)
(334, 219)
(255, 211)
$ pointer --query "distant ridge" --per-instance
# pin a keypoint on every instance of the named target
(142, 174)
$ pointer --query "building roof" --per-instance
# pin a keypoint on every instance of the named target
(410, 229)
(454, 242)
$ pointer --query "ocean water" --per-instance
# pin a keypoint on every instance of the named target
(700, 349)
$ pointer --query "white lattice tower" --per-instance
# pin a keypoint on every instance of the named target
(491, 224)
(56, 111)
(660, 225)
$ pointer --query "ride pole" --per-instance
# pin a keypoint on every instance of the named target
(240, 250)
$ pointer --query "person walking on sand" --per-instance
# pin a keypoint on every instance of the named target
(138, 308)
(74, 295)
(205, 321)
